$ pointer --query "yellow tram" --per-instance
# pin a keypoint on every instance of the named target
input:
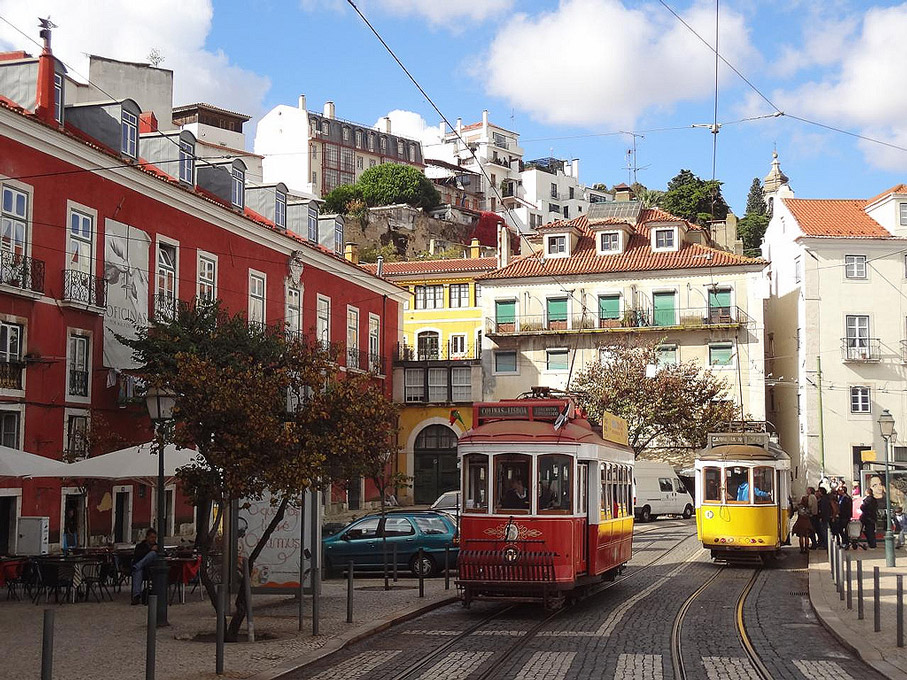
(743, 495)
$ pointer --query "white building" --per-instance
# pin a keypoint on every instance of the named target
(317, 152)
(620, 270)
(838, 303)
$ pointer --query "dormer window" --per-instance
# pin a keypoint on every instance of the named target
(187, 162)
(665, 239)
(338, 237)
(58, 98)
(609, 242)
(903, 209)
(557, 245)
(280, 210)
(238, 193)
(313, 224)
(325, 127)
(130, 128)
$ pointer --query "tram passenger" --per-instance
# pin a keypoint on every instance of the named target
(743, 492)
(516, 497)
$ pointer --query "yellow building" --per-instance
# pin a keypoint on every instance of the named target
(437, 368)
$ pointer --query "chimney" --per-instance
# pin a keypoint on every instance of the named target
(45, 99)
(485, 118)
(575, 166)
(329, 110)
(623, 193)
(503, 246)
(442, 128)
(302, 102)
(147, 122)
(459, 125)
(475, 249)
(380, 271)
(351, 253)
(387, 124)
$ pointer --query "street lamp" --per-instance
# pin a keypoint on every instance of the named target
(160, 403)
(886, 427)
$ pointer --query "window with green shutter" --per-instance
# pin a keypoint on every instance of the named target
(665, 308)
(609, 306)
(557, 309)
(719, 303)
(505, 311)
(721, 354)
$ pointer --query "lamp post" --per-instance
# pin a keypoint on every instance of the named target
(160, 403)
(886, 427)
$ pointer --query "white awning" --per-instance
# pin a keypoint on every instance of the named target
(134, 462)
(15, 463)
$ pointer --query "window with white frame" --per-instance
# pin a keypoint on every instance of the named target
(280, 209)
(78, 365)
(557, 245)
(903, 214)
(13, 221)
(414, 385)
(294, 310)
(609, 241)
(505, 361)
(256, 298)
(58, 98)
(371, 141)
(360, 163)
(399, 149)
(323, 320)
(352, 337)
(187, 162)
(9, 428)
(437, 384)
(77, 435)
(457, 345)
(10, 342)
(664, 239)
(429, 297)
(859, 399)
(459, 295)
(855, 266)
(721, 354)
(313, 224)
(207, 278)
(374, 343)
(358, 139)
(557, 359)
(798, 269)
(81, 229)
(478, 288)
(346, 134)
(238, 186)
(461, 383)
(856, 329)
(165, 279)
(338, 236)
(665, 355)
(129, 125)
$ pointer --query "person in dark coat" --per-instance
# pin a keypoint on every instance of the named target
(144, 554)
(824, 516)
(869, 511)
(845, 512)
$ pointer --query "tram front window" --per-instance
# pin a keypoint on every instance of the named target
(511, 474)
(763, 485)
(711, 485)
(736, 485)
(476, 466)
(555, 484)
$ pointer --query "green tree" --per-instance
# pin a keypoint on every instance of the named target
(751, 227)
(674, 407)
(695, 200)
(338, 201)
(391, 183)
(755, 201)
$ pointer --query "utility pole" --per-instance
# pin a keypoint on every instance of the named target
(821, 417)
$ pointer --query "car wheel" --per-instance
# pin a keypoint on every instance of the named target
(424, 567)
(645, 514)
(688, 511)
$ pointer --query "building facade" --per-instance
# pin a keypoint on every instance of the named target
(96, 239)
(616, 272)
(836, 326)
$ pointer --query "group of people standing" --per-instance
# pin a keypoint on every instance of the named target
(820, 510)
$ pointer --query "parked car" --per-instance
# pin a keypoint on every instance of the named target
(362, 542)
(659, 492)
(448, 503)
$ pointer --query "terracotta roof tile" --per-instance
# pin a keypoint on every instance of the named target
(637, 257)
(474, 264)
(896, 189)
(845, 218)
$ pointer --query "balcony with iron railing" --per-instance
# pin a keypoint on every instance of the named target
(408, 353)
(11, 373)
(364, 360)
(644, 319)
(19, 271)
(861, 349)
(83, 288)
(78, 383)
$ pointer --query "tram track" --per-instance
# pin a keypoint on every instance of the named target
(759, 669)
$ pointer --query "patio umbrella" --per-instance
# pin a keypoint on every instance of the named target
(134, 462)
(15, 463)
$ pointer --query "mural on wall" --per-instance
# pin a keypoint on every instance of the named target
(126, 268)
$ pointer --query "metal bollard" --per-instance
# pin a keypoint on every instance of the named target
(876, 603)
(900, 615)
(395, 562)
(316, 601)
(387, 585)
(221, 630)
(47, 646)
(828, 546)
(446, 567)
(849, 584)
(349, 593)
(247, 593)
(421, 575)
(831, 560)
(151, 638)
(859, 590)
(840, 575)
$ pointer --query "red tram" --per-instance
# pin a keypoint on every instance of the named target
(547, 509)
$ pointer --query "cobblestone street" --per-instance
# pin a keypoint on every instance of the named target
(624, 632)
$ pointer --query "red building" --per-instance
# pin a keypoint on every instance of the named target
(104, 219)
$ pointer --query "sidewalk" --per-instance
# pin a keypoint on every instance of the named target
(879, 650)
(107, 640)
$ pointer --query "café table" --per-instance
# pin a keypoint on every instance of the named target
(183, 570)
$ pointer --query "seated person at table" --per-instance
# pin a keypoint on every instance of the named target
(145, 553)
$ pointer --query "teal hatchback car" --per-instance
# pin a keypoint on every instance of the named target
(363, 540)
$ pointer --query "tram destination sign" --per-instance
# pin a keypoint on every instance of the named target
(520, 412)
(738, 438)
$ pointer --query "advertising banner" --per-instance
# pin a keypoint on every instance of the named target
(126, 267)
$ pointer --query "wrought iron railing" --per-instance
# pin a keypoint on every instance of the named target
(22, 272)
(85, 288)
(365, 360)
(78, 383)
(167, 307)
(11, 373)
(861, 349)
(449, 352)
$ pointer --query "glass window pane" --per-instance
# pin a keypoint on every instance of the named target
(476, 466)
(505, 362)
(398, 526)
(609, 306)
(720, 355)
(558, 360)
(557, 309)
(511, 472)
(737, 485)
(763, 484)
(364, 529)
(555, 484)
(711, 484)
(505, 311)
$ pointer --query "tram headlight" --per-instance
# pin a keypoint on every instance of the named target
(510, 555)
(709, 514)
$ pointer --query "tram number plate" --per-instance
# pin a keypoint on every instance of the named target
(745, 438)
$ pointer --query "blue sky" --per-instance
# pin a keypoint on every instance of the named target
(559, 73)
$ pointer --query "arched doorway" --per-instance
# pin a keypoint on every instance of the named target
(435, 458)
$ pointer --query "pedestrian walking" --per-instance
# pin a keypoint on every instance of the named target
(845, 514)
(869, 511)
(825, 516)
(803, 527)
(900, 521)
(813, 504)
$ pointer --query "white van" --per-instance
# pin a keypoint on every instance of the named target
(659, 492)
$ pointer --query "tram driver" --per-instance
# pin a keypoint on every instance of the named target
(516, 497)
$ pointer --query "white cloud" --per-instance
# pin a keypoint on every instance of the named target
(824, 41)
(598, 62)
(453, 14)
(411, 124)
(129, 31)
